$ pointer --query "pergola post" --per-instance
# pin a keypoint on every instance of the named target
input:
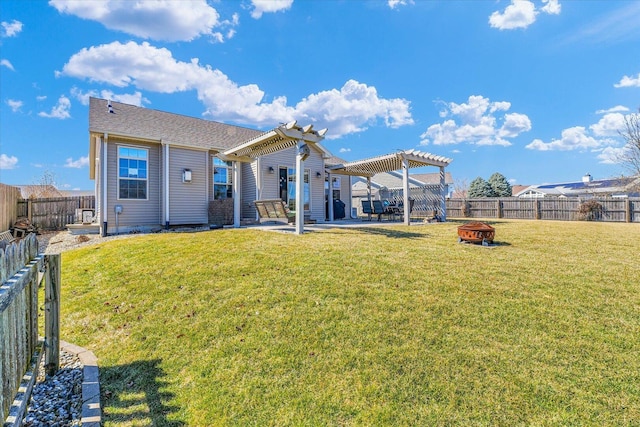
(405, 190)
(236, 193)
(259, 182)
(443, 196)
(299, 188)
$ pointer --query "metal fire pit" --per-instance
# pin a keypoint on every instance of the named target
(476, 232)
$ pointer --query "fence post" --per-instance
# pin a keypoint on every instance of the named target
(627, 210)
(537, 209)
(30, 210)
(499, 207)
(52, 314)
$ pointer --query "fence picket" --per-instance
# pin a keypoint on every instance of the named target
(19, 276)
(54, 213)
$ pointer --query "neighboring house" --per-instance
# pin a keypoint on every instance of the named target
(154, 169)
(516, 189)
(38, 191)
(586, 188)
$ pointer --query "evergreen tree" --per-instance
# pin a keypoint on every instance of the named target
(480, 188)
(500, 185)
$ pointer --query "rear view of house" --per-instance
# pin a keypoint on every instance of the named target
(154, 169)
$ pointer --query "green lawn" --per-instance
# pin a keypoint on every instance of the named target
(398, 326)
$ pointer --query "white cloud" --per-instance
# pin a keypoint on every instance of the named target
(519, 14)
(602, 136)
(629, 81)
(352, 108)
(6, 63)
(514, 124)
(572, 139)
(135, 98)
(347, 110)
(608, 125)
(41, 97)
(552, 7)
(616, 109)
(14, 105)
(60, 111)
(269, 6)
(475, 122)
(522, 13)
(345, 150)
(77, 164)
(396, 3)
(11, 29)
(183, 20)
(8, 162)
(612, 155)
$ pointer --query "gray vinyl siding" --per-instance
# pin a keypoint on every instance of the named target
(188, 201)
(135, 213)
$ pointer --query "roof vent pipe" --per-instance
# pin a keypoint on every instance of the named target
(587, 178)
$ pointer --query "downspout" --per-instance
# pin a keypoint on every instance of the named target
(105, 166)
(98, 178)
(167, 215)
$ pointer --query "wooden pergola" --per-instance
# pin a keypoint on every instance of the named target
(395, 161)
(281, 138)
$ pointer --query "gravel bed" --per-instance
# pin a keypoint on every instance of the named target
(57, 401)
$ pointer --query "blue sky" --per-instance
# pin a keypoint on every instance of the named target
(535, 90)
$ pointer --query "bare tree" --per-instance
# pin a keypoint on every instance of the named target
(630, 156)
(460, 188)
(44, 187)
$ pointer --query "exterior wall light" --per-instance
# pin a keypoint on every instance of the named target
(186, 175)
(271, 170)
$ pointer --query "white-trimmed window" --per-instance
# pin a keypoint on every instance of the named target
(222, 179)
(133, 173)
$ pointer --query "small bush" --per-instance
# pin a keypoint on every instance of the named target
(590, 210)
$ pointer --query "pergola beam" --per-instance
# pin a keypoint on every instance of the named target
(281, 138)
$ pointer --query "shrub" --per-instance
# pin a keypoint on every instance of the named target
(590, 210)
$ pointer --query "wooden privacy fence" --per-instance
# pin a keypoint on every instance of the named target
(562, 209)
(21, 271)
(9, 197)
(54, 213)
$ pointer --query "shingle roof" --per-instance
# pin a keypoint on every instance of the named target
(132, 121)
(433, 178)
